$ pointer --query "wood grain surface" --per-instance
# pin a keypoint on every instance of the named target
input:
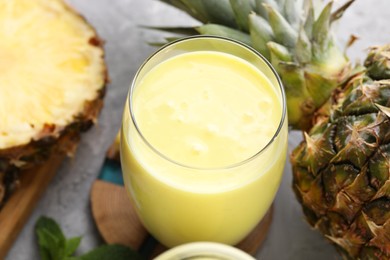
(118, 223)
(18, 208)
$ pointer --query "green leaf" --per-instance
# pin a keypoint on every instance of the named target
(43, 244)
(293, 12)
(242, 9)
(71, 245)
(308, 25)
(262, 10)
(171, 39)
(111, 252)
(205, 10)
(321, 28)
(220, 30)
(177, 30)
(261, 33)
(319, 87)
(54, 246)
(279, 53)
(167, 40)
(45, 223)
(339, 12)
(296, 93)
(282, 3)
(283, 31)
(51, 240)
(211, 11)
(303, 48)
(51, 245)
(156, 44)
(179, 4)
(294, 80)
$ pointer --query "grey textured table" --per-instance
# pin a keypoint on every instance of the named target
(67, 198)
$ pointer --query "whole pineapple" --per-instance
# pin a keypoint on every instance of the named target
(52, 83)
(341, 169)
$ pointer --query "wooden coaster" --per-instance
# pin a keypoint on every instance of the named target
(118, 223)
(22, 202)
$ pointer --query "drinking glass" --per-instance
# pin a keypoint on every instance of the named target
(179, 203)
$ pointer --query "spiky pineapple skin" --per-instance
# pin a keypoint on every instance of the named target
(341, 171)
(378, 62)
(53, 139)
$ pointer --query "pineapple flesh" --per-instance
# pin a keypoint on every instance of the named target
(52, 77)
(342, 168)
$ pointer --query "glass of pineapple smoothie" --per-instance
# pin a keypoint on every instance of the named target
(203, 140)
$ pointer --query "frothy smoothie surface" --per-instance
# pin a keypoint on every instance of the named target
(206, 109)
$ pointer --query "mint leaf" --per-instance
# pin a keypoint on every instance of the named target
(50, 225)
(51, 240)
(110, 252)
(43, 246)
(71, 245)
(51, 245)
(54, 246)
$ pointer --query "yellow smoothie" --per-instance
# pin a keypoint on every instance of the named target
(197, 173)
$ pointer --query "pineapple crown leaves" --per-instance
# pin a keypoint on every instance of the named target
(289, 23)
(291, 34)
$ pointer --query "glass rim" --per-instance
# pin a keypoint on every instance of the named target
(212, 37)
(194, 250)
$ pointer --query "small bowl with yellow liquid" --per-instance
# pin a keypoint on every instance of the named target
(204, 251)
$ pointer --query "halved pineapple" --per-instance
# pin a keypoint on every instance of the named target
(52, 81)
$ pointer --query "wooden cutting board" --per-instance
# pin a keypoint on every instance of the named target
(118, 223)
(18, 208)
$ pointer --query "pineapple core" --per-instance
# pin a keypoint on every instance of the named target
(49, 68)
